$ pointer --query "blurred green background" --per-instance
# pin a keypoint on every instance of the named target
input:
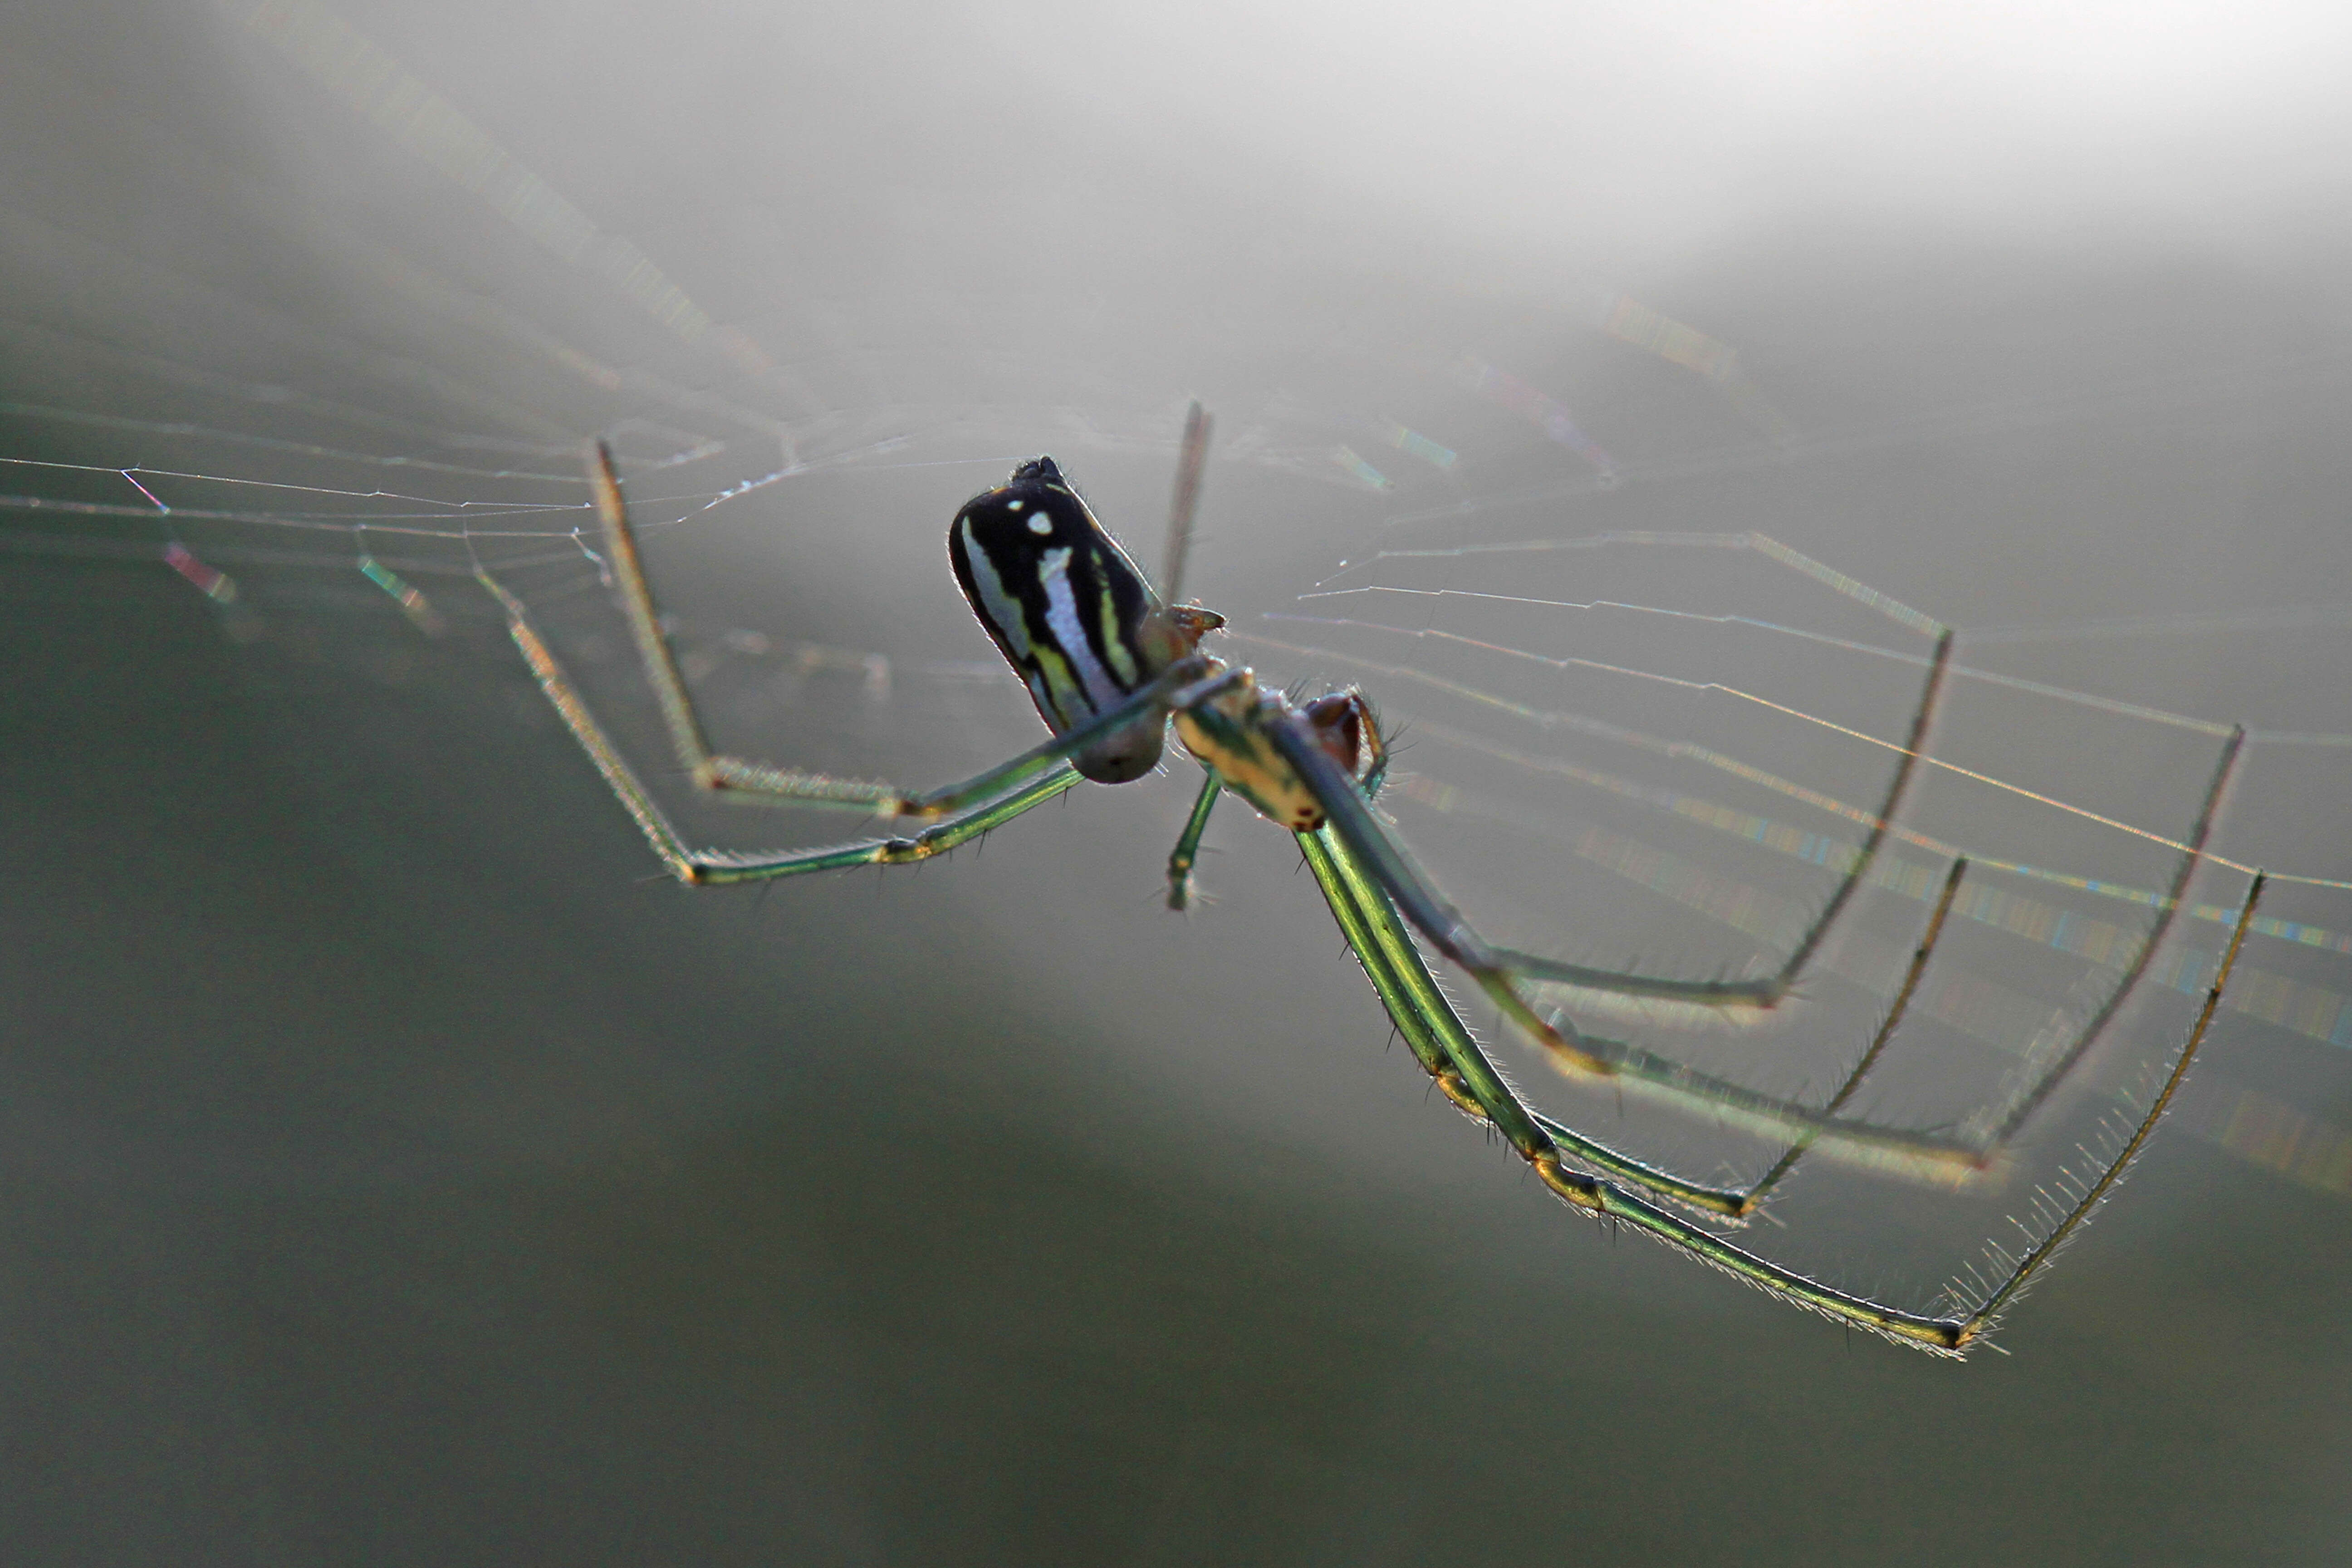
(396, 1172)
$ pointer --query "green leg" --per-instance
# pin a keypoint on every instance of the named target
(1188, 843)
(1435, 1033)
(1896, 1011)
(1377, 852)
(1999, 1126)
(1054, 752)
(1453, 1056)
(1047, 779)
(1446, 1050)
(1771, 989)
(1635, 1068)
(1424, 1015)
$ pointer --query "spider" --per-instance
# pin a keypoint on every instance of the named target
(1110, 661)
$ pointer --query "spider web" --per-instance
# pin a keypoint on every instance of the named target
(1624, 739)
(1687, 734)
(1580, 773)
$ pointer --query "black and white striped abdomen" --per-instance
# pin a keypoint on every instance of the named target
(1067, 609)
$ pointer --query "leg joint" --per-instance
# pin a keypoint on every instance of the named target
(1582, 1191)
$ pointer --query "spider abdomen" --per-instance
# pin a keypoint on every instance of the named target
(1069, 612)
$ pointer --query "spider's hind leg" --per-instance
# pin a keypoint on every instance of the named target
(1611, 1186)
(1770, 990)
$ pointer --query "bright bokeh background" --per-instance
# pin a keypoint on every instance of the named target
(397, 1175)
